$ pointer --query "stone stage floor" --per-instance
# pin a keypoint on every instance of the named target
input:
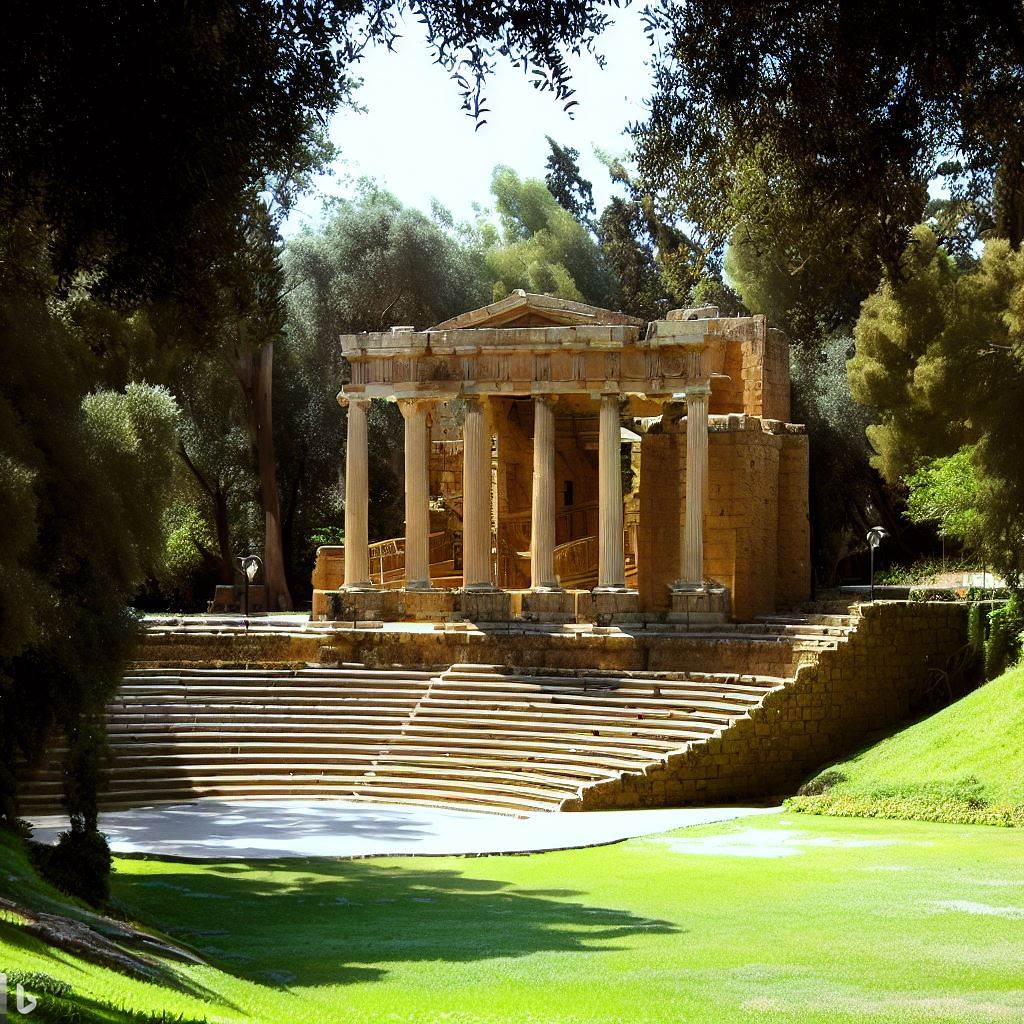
(219, 829)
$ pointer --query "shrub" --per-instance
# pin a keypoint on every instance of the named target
(822, 783)
(1002, 648)
(79, 864)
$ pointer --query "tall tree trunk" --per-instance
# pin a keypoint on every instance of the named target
(226, 568)
(1009, 193)
(219, 501)
(255, 371)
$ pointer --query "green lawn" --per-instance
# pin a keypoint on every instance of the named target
(778, 918)
(965, 763)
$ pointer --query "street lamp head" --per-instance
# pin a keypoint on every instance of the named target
(251, 565)
(876, 535)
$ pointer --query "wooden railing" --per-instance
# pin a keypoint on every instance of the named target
(576, 560)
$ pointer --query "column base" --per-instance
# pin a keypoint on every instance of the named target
(486, 605)
(359, 588)
(478, 588)
(613, 588)
(418, 585)
(547, 588)
(693, 604)
(620, 604)
(547, 605)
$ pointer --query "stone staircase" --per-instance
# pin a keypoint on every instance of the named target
(491, 737)
(472, 736)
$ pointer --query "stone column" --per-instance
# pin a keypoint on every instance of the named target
(357, 548)
(417, 493)
(611, 568)
(542, 515)
(696, 487)
(476, 499)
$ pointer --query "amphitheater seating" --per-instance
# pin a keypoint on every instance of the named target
(485, 737)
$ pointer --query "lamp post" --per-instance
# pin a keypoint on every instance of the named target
(250, 566)
(875, 537)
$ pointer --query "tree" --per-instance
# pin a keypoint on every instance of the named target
(373, 264)
(86, 471)
(541, 247)
(940, 357)
(195, 106)
(862, 105)
(131, 143)
(944, 491)
(565, 182)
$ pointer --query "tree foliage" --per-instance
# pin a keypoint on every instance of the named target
(940, 356)
(861, 104)
(571, 190)
(542, 247)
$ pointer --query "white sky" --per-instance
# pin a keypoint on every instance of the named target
(415, 139)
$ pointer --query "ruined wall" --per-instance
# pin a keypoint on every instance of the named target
(793, 536)
(756, 536)
(873, 681)
(756, 377)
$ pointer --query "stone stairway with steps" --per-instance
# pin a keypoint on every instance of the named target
(512, 740)
(483, 737)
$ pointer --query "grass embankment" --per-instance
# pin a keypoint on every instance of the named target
(964, 765)
(805, 920)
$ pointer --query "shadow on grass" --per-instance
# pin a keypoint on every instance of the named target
(337, 922)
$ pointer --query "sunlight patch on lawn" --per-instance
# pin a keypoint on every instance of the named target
(986, 909)
(764, 842)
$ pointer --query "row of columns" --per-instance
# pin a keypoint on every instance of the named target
(476, 500)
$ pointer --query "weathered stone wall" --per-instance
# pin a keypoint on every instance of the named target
(793, 534)
(873, 681)
(756, 377)
(516, 649)
(756, 534)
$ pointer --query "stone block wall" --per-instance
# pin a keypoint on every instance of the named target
(756, 377)
(876, 679)
(756, 531)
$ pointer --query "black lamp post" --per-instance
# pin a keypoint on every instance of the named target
(250, 566)
(875, 537)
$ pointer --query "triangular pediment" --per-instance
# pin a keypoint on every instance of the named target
(527, 309)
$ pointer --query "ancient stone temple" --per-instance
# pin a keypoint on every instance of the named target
(566, 463)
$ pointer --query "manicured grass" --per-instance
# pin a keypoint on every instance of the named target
(963, 764)
(777, 918)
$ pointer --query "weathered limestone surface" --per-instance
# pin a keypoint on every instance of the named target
(756, 527)
(874, 680)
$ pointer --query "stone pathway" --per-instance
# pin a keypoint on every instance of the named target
(218, 829)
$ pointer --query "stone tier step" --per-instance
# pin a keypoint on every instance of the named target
(478, 736)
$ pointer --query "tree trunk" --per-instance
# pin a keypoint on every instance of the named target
(226, 567)
(1009, 194)
(255, 375)
(219, 501)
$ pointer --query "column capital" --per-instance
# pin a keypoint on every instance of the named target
(360, 401)
(410, 406)
(698, 390)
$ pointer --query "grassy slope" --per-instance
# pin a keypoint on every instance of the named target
(967, 756)
(778, 918)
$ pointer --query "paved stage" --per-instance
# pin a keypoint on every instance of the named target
(217, 829)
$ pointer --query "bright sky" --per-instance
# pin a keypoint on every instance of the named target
(415, 139)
